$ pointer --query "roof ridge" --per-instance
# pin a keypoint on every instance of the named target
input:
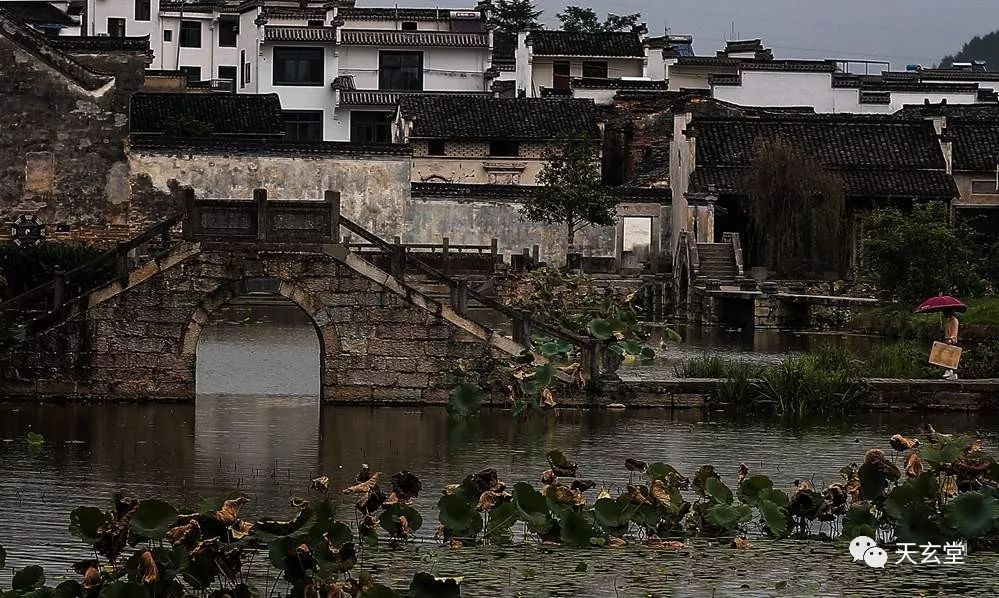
(33, 42)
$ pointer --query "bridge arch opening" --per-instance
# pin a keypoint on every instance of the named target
(259, 363)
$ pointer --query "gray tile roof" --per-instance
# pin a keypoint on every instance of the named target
(565, 43)
(484, 117)
(369, 37)
(370, 97)
(393, 14)
(228, 113)
(38, 13)
(278, 33)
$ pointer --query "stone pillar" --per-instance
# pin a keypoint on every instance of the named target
(260, 199)
(332, 199)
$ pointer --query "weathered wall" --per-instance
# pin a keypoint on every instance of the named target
(470, 162)
(374, 190)
(61, 147)
(141, 343)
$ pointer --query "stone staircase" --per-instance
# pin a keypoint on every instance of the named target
(717, 261)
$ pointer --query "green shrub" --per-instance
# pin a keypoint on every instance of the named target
(27, 267)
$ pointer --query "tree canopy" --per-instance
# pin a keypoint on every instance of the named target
(570, 191)
(984, 47)
(912, 256)
(584, 20)
(511, 16)
(796, 211)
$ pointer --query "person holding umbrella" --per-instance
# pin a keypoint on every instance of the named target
(948, 307)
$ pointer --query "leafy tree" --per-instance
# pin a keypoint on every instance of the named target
(912, 256)
(584, 20)
(570, 192)
(796, 211)
(979, 48)
(511, 16)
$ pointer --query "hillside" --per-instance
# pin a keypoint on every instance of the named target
(979, 48)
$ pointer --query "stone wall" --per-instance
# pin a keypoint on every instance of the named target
(62, 145)
(139, 342)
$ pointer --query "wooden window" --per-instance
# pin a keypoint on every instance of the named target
(560, 75)
(168, 35)
(116, 27)
(193, 72)
(142, 10)
(409, 25)
(190, 34)
(988, 187)
(370, 127)
(303, 125)
(596, 69)
(228, 72)
(401, 71)
(228, 29)
(436, 147)
(504, 147)
(298, 66)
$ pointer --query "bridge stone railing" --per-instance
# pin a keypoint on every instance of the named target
(262, 220)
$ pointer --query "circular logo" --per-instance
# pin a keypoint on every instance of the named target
(27, 231)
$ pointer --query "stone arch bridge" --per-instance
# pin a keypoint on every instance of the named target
(136, 337)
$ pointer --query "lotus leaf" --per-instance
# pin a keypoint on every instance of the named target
(68, 589)
(501, 520)
(919, 492)
(947, 452)
(600, 328)
(544, 375)
(153, 518)
(561, 465)
(702, 475)
(578, 529)
(646, 516)
(873, 481)
(631, 347)
(666, 473)
(85, 521)
(920, 525)
(425, 585)
(972, 514)
(727, 516)
(718, 491)
(35, 439)
(378, 590)
(29, 578)
(752, 487)
(533, 508)
(465, 400)
(614, 515)
(339, 534)
(391, 521)
(859, 521)
(459, 516)
(647, 354)
(775, 517)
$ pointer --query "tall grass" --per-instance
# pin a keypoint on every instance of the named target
(714, 366)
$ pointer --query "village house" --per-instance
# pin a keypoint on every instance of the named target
(879, 161)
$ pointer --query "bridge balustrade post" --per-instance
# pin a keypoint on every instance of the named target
(333, 201)
(459, 297)
(260, 197)
(446, 254)
(397, 262)
(58, 289)
(493, 253)
(536, 254)
(590, 359)
(191, 219)
(521, 331)
(121, 265)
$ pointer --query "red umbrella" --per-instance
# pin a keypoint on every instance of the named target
(940, 303)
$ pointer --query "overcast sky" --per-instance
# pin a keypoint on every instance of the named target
(900, 31)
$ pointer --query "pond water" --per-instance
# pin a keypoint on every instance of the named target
(269, 444)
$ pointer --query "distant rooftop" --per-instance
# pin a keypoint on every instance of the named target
(565, 43)
(227, 114)
(484, 117)
(39, 14)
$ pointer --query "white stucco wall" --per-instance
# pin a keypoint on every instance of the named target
(543, 69)
(444, 69)
(776, 88)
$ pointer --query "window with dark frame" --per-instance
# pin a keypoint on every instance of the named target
(504, 147)
(316, 23)
(228, 29)
(190, 34)
(228, 72)
(436, 147)
(168, 35)
(193, 73)
(142, 10)
(303, 125)
(989, 187)
(370, 127)
(596, 69)
(116, 27)
(298, 66)
(409, 25)
(400, 71)
(560, 75)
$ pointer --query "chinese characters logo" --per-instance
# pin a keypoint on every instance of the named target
(864, 548)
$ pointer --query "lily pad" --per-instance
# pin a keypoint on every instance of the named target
(85, 521)
(153, 518)
(600, 328)
(751, 488)
(718, 491)
(533, 508)
(972, 514)
(29, 578)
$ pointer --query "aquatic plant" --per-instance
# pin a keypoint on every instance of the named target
(940, 488)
